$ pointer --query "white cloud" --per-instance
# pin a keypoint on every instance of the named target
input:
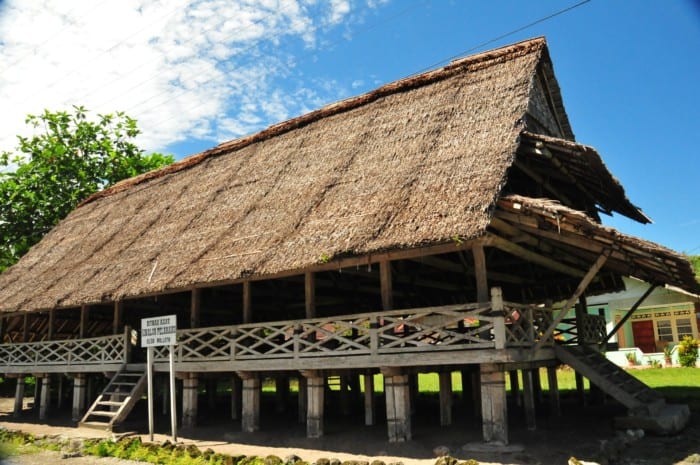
(195, 68)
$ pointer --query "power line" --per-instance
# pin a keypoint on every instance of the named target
(503, 36)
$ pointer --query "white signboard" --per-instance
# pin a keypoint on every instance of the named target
(158, 331)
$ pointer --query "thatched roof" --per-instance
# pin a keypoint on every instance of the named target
(414, 163)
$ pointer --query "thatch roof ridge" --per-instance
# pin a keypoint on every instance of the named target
(469, 63)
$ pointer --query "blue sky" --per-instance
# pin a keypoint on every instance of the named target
(197, 72)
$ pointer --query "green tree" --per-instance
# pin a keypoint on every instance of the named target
(68, 158)
(695, 262)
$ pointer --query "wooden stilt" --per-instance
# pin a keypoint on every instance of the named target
(190, 385)
(79, 391)
(398, 405)
(515, 387)
(302, 399)
(476, 393)
(211, 394)
(494, 407)
(59, 395)
(369, 399)
(537, 386)
(281, 393)
(165, 398)
(315, 388)
(19, 397)
(45, 400)
(38, 381)
(529, 399)
(344, 396)
(445, 398)
(581, 390)
(554, 401)
(250, 402)
(235, 397)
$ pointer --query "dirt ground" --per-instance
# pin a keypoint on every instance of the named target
(582, 432)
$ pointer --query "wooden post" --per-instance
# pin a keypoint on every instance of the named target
(247, 302)
(554, 402)
(79, 387)
(190, 386)
(3, 329)
(398, 405)
(310, 294)
(235, 397)
(369, 399)
(494, 408)
(581, 311)
(45, 399)
(315, 387)
(117, 317)
(84, 316)
(386, 285)
(250, 402)
(529, 400)
(19, 397)
(482, 286)
(445, 398)
(49, 332)
(195, 304)
(25, 328)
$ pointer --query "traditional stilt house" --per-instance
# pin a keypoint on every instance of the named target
(444, 222)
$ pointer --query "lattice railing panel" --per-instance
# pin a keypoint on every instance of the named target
(525, 324)
(108, 349)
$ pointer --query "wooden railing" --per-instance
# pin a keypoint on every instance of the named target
(591, 330)
(495, 325)
(93, 351)
(455, 327)
(525, 324)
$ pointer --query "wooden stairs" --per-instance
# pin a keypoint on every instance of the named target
(117, 399)
(647, 409)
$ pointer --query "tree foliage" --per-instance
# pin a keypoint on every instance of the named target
(68, 158)
(695, 263)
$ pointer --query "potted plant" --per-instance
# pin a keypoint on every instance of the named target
(668, 361)
(631, 358)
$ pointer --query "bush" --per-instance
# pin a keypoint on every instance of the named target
(688, 351)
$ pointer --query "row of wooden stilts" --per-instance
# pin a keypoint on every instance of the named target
(486, 385)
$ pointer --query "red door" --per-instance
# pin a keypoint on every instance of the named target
(643, 333)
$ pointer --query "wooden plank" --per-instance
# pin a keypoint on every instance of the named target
(577, 293)
(554, 399)
(526, 254)
(386, 285)
(522, 166)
